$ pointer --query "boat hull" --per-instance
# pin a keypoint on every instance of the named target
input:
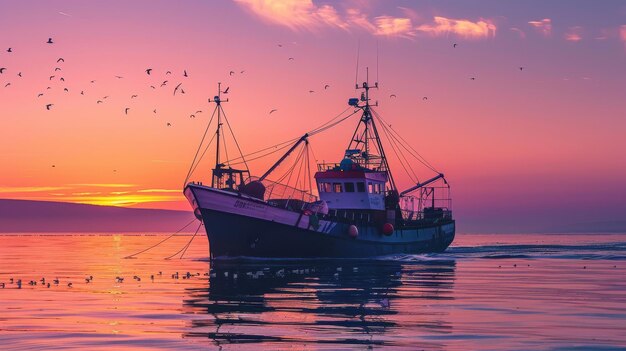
(239, 226)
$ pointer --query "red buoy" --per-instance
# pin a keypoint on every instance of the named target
(353, 231)
(387, 228)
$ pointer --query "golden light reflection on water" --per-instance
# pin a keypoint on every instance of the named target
(488, 292)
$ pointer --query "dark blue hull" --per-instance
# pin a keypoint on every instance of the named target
(233, 235)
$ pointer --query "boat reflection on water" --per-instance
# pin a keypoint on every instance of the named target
(332, 303)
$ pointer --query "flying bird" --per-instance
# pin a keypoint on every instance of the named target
(185, 73)
(2, 70)
(9, 50)
(153, 87)
(199, 111)
(119, 77)
(62, 79)
(148, 71)
(49, 41)
(226, 91)
(231, 73)
(99, 102)
(291, 59)
(454, 45)
(392, 96)
(93, 81)
(311, 91)
(178, 86)
(164, 83)
(19, 74)
(280, 45)
(242, 71)
(57, 282)
(60, 60)
(192, 116)
(65, 89)
(425, 98)
(154, 111)
(82, 92)
(272, 111)
(40, 95)
(48, 106)
(169, 124)
(473, 78)
(106, 97)
(57, 69)
(133, 96)
(126, 110)
(326, 86)
(7, 85)
(521, 68)
(168, 72)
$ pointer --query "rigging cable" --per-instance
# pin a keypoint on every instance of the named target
(199, 146)
(235, 139)
(184, 249)
(162, 241)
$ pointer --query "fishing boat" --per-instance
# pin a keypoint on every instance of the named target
(354, 211)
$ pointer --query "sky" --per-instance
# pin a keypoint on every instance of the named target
(539, 145)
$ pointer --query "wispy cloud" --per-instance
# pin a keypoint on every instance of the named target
(543, 26)
(574, 33)
(394, 26)
(622, 32)
(461, 27)
(306, 15)
(159, 191)
(105, 185)
(29, 189)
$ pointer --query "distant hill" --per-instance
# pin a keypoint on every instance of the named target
(25, 216)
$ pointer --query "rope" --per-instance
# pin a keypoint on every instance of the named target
(235, 139)
(162, 241)
(184, 249)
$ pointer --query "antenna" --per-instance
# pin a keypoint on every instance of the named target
(356, 75)
(376, 63)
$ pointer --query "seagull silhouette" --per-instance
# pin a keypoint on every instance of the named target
(106, 97)
(185, 73)
(454, 45)
(231, 73)
(48, 106)
(7, 85)
(2, 70)
(9, 50)
(65, 89)
(119, 77)
(425, 98)
(199, 111)
(153, 87)
(49, 41)
(62, 79)
(99, 102)
(182, 91)
(521, 68)
(272, 111)
(226, 91)
(82, 92)
(311, 91)
(133, 96)
(148, 71)
(168, 72)
(154, 111)
(178, 86)
(19, 74)
(126, 110)
(473, 78)
(242, 71)
(57, 69)
(392, 96)
(164, 83)
(40, 95)
(291, 59)
(60, 60)
(169, 124)
(326, 86)
(93, 81)
(192, 116)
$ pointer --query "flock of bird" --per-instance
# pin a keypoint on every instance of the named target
(255, 274)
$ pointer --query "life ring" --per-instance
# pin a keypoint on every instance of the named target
(387, 229)
(353, 231)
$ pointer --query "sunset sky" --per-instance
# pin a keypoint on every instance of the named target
(542, 144)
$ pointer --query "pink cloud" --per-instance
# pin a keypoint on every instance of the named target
(461, 27)
(622, 32)
(544, 26)
(295, 14)
(574, 34)
(394, 26)
(520, 32)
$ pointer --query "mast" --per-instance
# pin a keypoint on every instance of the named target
(369, 131)
(218, 101)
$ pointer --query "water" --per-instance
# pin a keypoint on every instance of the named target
(488, 292)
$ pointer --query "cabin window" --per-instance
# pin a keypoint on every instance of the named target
(349, 187)
(370, 188)
(377, 188)
(360, 187)
(327, 188)
(337, 187)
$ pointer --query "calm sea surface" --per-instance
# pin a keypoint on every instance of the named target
(487, 292)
